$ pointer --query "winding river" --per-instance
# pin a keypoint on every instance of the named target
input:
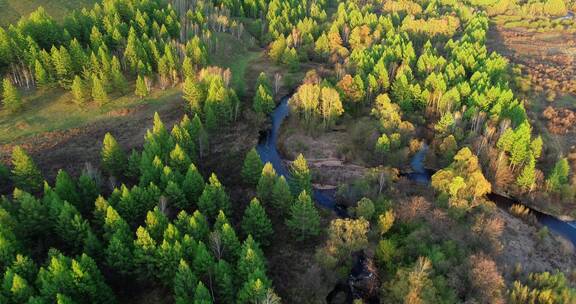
(267, 149)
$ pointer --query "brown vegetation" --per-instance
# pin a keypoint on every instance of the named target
(560, 121)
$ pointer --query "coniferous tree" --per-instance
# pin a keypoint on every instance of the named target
(176, 196)
(281, 195)
(194, 94)
(256, 223)
(98, 91)
(66, 189)
(252, 167)
(78, 90)
(193, 184)
(24, 172)
(224, 279)
(11, 99)
(202, 295)
(114, 159)
(214, 198)
(263, 101)
(304, 219)
(141, 87)
(41, 75)
(185, 283)
(230, 242)
(266, 184)
(118, 80)
(301, 177)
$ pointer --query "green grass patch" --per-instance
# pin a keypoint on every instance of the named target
(12, 10)
(53, 110)
(235, 54)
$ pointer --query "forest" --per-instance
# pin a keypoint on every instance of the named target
(284, 151)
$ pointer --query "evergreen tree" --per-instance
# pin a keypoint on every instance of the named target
(66, 189)
(263, 101)
(176, 196)
(301, 177)
(114, 159)
(202, 295)
(281, 195)
(559, 175)
(98, 92)
(256, 223)
(266, 184)
(252, 167)
(203, 260)
(78, 91)
(141, 87)
(230, 242)
(194, 94)
(41, 75)
(118, 80)
(10, 97)
(193, 184)
(224, 279)
(185, 283)
(179, 159)
(214, 198)
(25, 174)
(304, 219)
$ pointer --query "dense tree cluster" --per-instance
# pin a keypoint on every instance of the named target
(94, 50)
(55, 245)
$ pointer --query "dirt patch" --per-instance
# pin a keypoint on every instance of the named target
(534, 253)
(329, 166)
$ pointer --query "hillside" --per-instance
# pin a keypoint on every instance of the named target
(12, 10)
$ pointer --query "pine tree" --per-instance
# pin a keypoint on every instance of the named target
(25, 174)
(194, 94)
(78, 91)
(179, 160)
(230, 242)
(304, 219)
(281, 195)
(223, 276)
(266, 184)
(176, 196)
(141, 87)
(118, 80)
(202, 295)
(252, 167)
(263, 101)
(203, 260)
(527, 177)
(256, 223)
(193, 184)
(10, 97)
(214, 198)
(41, 75)
(114, 159)
(66, 189)
(185, 283)
(301, 177)
(98, 92)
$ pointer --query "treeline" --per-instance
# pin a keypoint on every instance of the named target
(524, 8)
(93, 52)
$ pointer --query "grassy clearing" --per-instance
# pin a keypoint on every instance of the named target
(235, 54)
(12, 10)
(53, 110)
